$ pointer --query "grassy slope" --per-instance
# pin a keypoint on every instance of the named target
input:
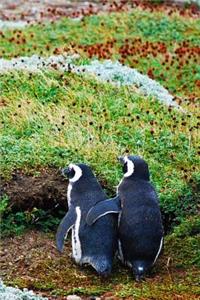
(49, 119)
(52, 118)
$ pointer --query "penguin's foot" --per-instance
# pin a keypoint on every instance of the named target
(104, 274)
(139, 278)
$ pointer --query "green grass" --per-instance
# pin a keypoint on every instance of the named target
(14, 223)
(180, 73)
(50, 120)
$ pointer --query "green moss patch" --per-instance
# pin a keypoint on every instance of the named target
(184, 243)
(35, 263)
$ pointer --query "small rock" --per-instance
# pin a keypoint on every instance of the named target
(73, 297)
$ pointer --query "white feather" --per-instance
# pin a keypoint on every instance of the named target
(130, 167)
(104, 214)
(121, 256)
(160, 247)
(129, 264)
(119, 186)
(76, 244)
(69, 189)
(78, 173)
(120, 253)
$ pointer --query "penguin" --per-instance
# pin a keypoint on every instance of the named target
(95, 245)
(140, 228)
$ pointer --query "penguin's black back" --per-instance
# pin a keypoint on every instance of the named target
(140, 228)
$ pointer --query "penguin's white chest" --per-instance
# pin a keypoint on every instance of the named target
(76, 244)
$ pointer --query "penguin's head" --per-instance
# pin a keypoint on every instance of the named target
(134, 167)
(76, 171)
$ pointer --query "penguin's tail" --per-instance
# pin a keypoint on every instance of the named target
(102, 266)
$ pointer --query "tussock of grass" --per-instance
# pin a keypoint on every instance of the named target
(184, 243)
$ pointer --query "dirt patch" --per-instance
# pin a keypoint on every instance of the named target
(48, 190)
(22, 258)
(32, 261)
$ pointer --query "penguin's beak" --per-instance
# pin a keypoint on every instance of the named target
(121, 159)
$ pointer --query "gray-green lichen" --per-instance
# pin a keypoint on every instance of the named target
(11, 293)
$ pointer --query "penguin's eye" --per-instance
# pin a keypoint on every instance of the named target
(71, 173)
(68, 172)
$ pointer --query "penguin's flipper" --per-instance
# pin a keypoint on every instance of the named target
(64, 227)
(103, 208)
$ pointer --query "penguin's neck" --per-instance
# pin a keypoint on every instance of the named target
(84, 190)
(127, 183)
(137, 176)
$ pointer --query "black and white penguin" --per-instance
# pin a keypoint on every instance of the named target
(94, 245)
(140, 224)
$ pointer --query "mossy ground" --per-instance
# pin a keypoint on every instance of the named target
(32, 261)
(52, 118)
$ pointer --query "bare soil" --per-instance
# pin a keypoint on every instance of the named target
(47, 190)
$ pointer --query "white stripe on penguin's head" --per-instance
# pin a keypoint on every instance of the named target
(130, 166)
(78, 173)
